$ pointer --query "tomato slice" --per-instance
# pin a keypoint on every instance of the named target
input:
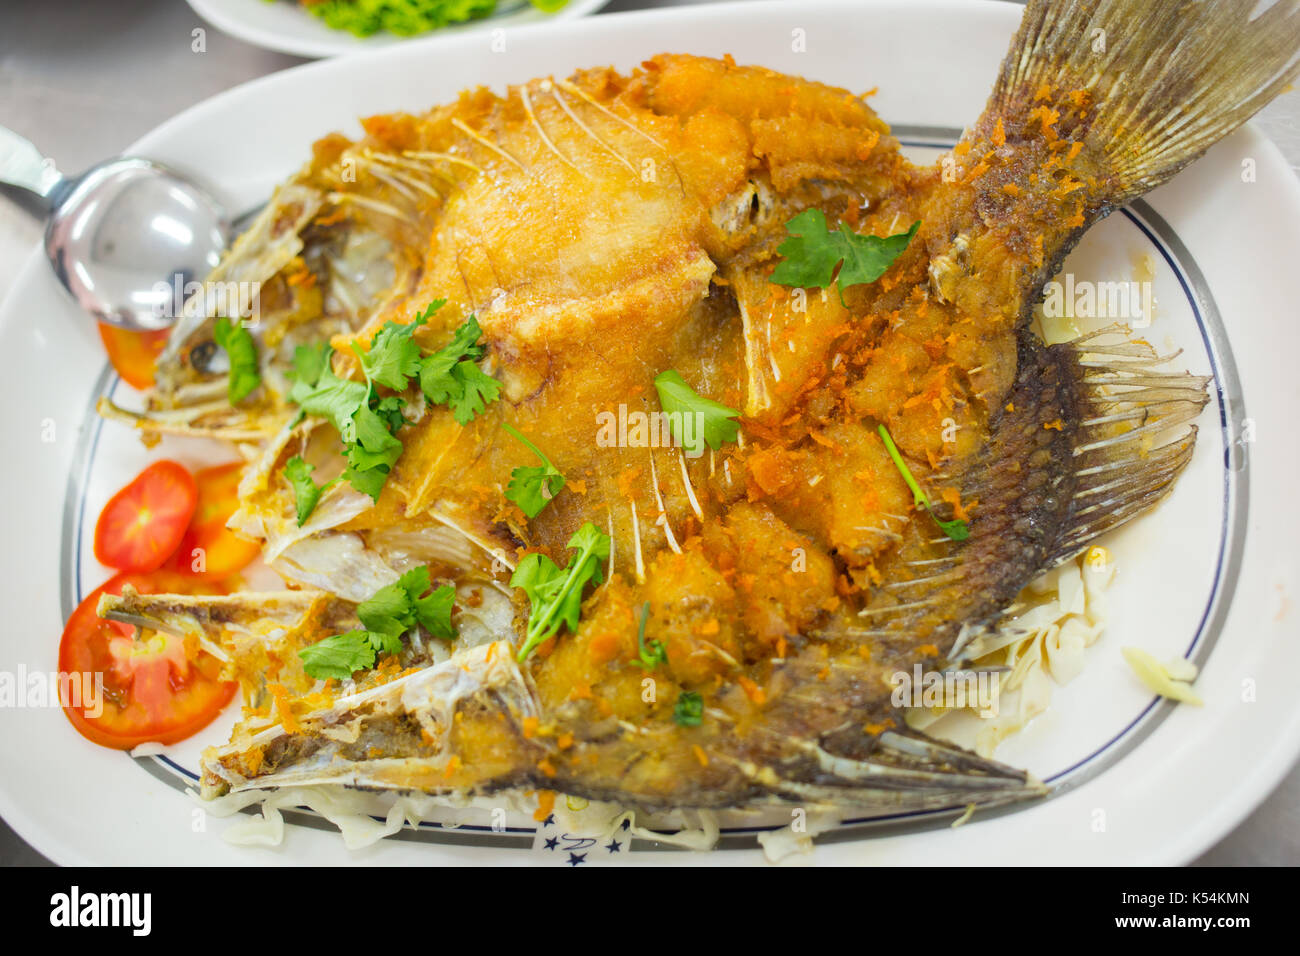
(155, 689)
(208, 546)
(133, 354)
(143, 523)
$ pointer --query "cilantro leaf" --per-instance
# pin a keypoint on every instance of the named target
(812, 253)
(477, 391)
(338, 656)
(956, 530)
(371, 431)
(389, 610)
(539, 578)
(368, 422)
(240, 348)
(367, 471)
(533, 487)
(450, 377)
(375, 450)
(713, 421)
(390, 410)
(306, 492)
(393, 358)
(689, 709)
(309, 362)
(867, 258)
(652, 655)
(555, 596)
(388, 615)
(433, 611)
(394, 355)
(398, 607)
(332, 398)
(429, 310)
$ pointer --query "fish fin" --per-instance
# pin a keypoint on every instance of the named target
(1133, 435)
(905, 771)
(210, 615)
(393, 734)
(1155, 82)
(1094, 433)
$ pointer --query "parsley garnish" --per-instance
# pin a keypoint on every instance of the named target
(338, 656)
(715, 420)
(309, 362)
(555, 594)
(305, 491)
(367, 422)
(450, 376)
(689, 709)
(326, 395)
(364, 421)
(394, 355)
(532, 487)
(242, 351)
(812, 253)
(957, 530)
(652, 655)
(398, 607)
(392, 612)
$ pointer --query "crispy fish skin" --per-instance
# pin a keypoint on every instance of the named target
(1054, 445)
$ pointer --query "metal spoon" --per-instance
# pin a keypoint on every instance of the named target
(124, 236)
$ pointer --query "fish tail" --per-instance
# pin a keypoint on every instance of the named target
(1144, 87)
(906, 771)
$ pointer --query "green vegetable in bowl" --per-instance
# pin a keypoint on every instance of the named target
(406, 18)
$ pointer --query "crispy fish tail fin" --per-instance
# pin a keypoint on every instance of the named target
(1133, 436)
(1147, 85)
(907, 771)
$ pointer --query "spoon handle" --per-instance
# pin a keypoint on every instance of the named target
(23, 165)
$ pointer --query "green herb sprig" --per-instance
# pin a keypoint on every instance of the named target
(532, 487)
(555, 594)
(812, 254)
(238, 344)
(956, 530)
(718, 424)
(368, 422)
(650, 655)
(689, 709)
(391, 613)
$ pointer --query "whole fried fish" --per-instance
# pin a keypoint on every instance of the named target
(738, 642)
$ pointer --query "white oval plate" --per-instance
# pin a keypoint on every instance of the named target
(285, 26)
(1140, 781)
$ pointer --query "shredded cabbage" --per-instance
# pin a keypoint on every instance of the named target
(1172, 680)
(796, 837)
(1043, 647)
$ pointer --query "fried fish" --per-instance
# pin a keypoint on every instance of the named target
(904, 454)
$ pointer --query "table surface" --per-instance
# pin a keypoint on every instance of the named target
(81, 79)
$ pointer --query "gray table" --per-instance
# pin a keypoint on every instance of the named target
(83, 79)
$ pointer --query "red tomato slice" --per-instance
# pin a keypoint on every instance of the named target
(143, 523)
(156, 689)
(208, 547)
(133, 353)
